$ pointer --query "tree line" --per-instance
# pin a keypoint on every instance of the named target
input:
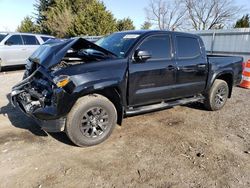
(69, 18)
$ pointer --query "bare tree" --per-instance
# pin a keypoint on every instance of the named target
(166, 15)
(210, 14)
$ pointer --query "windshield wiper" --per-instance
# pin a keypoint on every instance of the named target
(93, 53)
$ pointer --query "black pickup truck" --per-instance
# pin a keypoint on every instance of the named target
(85, 89)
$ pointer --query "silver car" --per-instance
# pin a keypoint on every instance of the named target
(15, 48)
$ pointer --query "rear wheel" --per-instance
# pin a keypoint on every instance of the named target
(217, 96)
(91, 121)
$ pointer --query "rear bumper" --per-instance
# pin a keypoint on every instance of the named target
(50, 125)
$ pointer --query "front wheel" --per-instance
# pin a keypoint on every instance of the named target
(91, 121)
(217, 96)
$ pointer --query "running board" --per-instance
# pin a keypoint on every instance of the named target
(150, 108)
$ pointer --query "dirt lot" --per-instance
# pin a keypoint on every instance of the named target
(180, 147)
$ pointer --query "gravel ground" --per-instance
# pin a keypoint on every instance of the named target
(181, 147)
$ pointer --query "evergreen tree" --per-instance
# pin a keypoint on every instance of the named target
(243, 22)
(78, 5)
(125, 24)
(42, 7)
(69, 18)
(94, 19)
(27, 26)
(59, 19)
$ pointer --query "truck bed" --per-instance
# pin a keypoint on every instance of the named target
(224, 59)
(227, 63)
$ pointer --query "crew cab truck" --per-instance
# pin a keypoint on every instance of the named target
(85, 89)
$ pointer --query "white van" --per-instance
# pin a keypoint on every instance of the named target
(16, 48)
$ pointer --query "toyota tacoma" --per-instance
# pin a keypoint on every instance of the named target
(86, 88)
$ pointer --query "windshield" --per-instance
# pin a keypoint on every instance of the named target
(2, 36)
(118, 43)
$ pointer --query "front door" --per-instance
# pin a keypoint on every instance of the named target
(151, 81)
(13, 51)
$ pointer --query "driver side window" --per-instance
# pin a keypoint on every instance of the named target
(14, 40)
(158, 46)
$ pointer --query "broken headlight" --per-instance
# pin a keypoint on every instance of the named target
(62, 80)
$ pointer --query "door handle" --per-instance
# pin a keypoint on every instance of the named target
(171, 68)
(202, 66)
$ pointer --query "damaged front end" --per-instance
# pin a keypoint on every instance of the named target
(47, 97)
(40, 98)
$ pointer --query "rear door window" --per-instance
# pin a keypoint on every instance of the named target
(30, 40)
(188, 47)
(14, 40)
(158, 46)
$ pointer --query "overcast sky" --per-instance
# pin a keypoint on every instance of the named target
(13, 11)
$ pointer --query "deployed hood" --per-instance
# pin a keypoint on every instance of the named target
(52, 52)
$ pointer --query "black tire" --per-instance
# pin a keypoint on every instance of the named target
(91, 120)
(217, 96)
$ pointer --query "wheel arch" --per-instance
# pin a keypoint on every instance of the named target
(114, 95)
(111, 89)
(227, 77)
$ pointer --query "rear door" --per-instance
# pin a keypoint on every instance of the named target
(12, 53)
(192, 65)
(31, 44)
(151, 81)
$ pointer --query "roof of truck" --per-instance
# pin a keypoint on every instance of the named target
(154, 31)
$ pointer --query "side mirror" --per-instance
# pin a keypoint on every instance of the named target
(141, 55)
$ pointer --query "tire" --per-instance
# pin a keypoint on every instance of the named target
(91, 120)
(217, 96)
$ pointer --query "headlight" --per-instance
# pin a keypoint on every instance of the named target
(62, 80)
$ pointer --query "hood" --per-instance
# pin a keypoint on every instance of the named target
(52, 52)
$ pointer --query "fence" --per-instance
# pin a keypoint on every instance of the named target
(235, 42)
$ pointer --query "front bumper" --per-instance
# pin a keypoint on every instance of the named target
(49, 125)
(56, 125)
(51, 116)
